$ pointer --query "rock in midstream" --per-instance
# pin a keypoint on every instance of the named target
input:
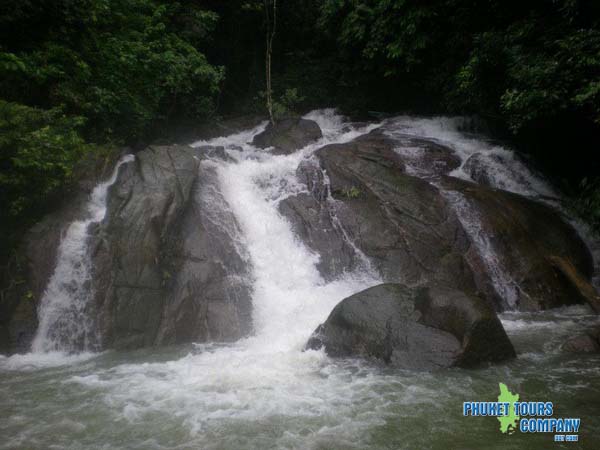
(414, 328)
(288, 135)
(361, 194)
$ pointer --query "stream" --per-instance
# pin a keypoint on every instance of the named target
(264, 391)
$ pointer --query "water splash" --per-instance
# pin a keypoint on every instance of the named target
(504, 285)
(501, 167)
(64, 324)
(483, 162)
(263, 392)
(290, 297)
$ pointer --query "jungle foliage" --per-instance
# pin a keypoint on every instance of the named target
(80, 76)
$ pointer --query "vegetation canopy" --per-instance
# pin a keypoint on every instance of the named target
(80, 76)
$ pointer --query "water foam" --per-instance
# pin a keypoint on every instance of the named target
(266, 374)
(502, 166)
(502, 169)
(264, 391)
(37, 361)
(64, 324)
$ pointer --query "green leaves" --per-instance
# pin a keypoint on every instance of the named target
(126, 65)
(38, 151)
(108, 71)
(521, 62)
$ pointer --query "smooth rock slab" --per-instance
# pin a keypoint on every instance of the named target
(423, 328)
(288, 135)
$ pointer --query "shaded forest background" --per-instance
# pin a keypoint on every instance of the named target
(79, 79)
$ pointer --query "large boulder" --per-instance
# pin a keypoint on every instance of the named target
(209, 295)
(422, 157)
(588, 342)
(144, 207)
(167, 263)
(502, 170)
(288, 135)
(369, 197)
(361, 202)
(414, 328)
(537, 254)
(167, 266)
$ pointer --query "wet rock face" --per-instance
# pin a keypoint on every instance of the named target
(414, 328)
(401, 223)
(165, 269)
(494, 170)
(144, 207)
(365, 197)
(166, 265)
(209, 297)
(477, 169)
(423, 158)
(313, 217)
(542, 254)
(30, 270)
(288, 135)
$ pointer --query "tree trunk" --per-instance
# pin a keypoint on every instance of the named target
(270, 23)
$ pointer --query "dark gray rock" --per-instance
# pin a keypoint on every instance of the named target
(537, 249)
(145, 205)
(209, 296)
(477, 169)
(414, 328)
(288, 135)
(167, 264)
(401, 223)
(362, 201)
(167, 267)
(211, 151)
(312, 216)
(422, 157)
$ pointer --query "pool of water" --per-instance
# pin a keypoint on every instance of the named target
(235, 397)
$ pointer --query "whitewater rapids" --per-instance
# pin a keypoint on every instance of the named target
(264, 392)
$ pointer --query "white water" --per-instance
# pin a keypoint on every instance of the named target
(267, 374)
(263, 392)
(503, 167)
(63, 322)
(504, 170)
(290, 297)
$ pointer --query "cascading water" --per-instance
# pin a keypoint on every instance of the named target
(64, 324)
(290, 297)
(502, 169)
(264, 391)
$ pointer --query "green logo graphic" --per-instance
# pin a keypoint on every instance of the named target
(508, 423)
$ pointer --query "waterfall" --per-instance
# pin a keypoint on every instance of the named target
(64, 324)
(290, 297)
(502, 166)
(264, 391)
(503, 170)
